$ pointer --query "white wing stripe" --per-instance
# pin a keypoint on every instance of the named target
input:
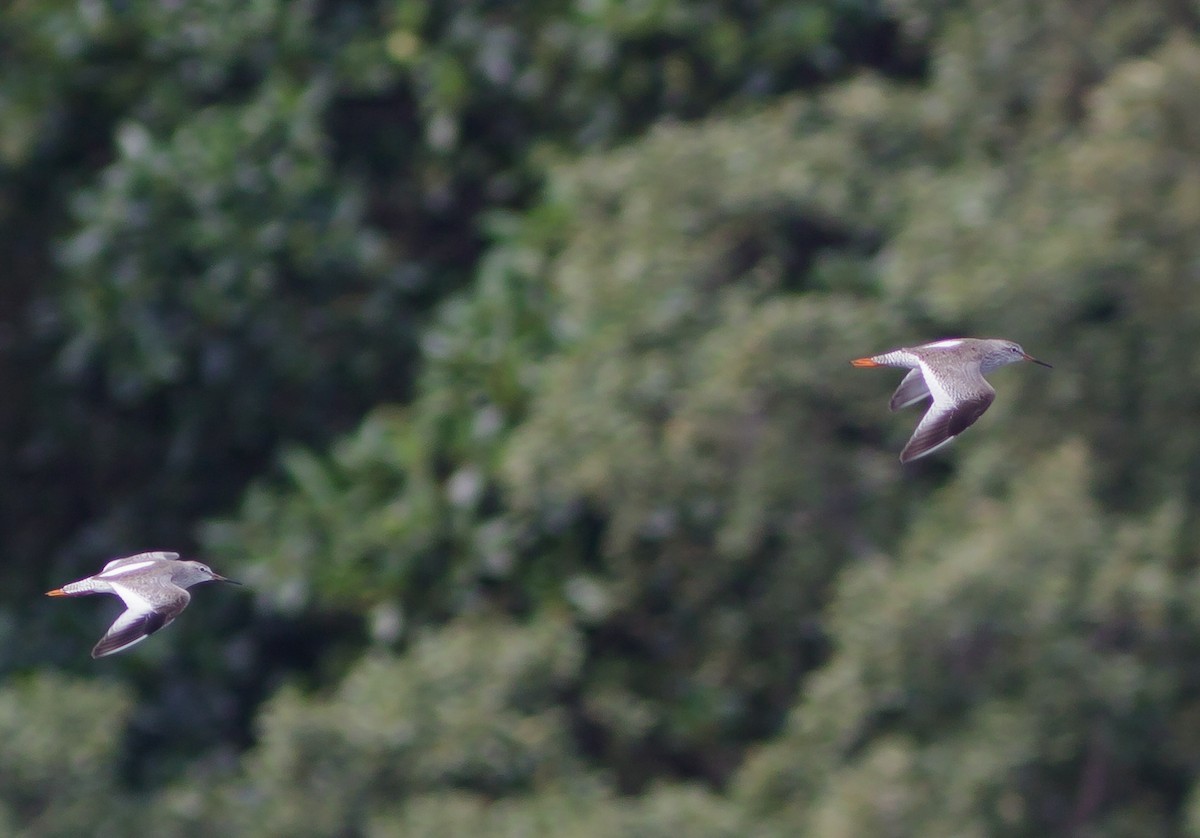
(132, 599)
(941, 399)
(124, 569)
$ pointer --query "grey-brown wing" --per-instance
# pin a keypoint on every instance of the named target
(911, 390)
(145, 558)
(139, 621)
(943, 422)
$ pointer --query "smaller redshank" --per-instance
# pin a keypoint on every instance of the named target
(154, 589)
(952, 373)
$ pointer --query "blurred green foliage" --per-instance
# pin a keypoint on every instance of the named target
(228, 223)
(502, 350)
(473, 708)
(59, 772)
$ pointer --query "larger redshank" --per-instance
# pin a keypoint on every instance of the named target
(951, 372)
(154, 589)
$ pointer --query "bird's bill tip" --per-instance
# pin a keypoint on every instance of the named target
(219, 578)
(56, 592)
(864, 362)
(1029, 357)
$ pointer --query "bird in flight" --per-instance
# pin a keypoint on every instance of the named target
(154, 589)
(951, 372)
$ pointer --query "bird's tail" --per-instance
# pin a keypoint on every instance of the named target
(80, 588)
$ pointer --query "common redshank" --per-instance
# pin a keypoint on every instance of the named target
(952, 373)
(154, 589)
